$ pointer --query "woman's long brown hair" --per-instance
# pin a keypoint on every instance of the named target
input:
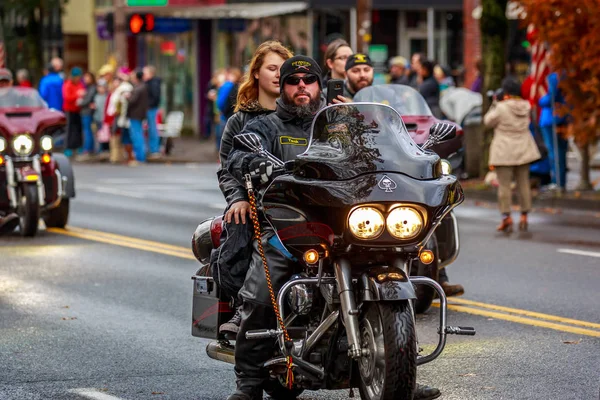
(248, 91)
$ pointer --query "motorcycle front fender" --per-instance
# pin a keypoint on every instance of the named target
(385, 284)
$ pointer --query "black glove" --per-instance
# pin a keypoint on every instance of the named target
(261, 167)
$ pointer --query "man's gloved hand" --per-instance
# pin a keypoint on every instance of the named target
(261, 167)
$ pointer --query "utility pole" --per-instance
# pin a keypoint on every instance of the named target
(363, 26)
(120, 33)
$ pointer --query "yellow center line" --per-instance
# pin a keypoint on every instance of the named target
(526, 313)
(523, 320)
(125, 241)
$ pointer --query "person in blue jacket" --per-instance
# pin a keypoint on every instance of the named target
(549, 117)
(51, 85)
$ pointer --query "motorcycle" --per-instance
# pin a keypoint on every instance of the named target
(353, 214)
(35, 183)
(418, 120)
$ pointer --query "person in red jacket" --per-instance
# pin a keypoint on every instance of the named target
(73, 91)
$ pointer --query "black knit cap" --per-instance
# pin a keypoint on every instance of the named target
(297, 65)
(358, 59)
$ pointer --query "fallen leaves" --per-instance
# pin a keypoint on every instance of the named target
(158, 393)
(572, 341)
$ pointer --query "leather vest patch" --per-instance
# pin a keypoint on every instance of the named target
(294, 141)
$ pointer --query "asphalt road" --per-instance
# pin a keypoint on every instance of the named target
(104, 311)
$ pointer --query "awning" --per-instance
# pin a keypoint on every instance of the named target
(239, 10)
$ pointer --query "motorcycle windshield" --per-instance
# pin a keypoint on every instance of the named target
(402, 98)
(349, 140)
(12, 97)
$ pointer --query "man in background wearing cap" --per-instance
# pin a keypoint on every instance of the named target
(51, 85)
(285, 134)
(6, 78)
(397, 66)
(359, 74)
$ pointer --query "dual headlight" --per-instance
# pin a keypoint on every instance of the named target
(402, 222)
(23, 144)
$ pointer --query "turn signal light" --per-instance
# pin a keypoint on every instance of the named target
(311, 256)
(426, 257)
(1, 160)
(46, 158)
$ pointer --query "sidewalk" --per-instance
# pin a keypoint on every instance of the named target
(191, 150)
(475, 189)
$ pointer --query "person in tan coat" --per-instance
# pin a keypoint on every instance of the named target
(512, 150)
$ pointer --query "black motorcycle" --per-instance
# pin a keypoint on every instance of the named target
(354, 213)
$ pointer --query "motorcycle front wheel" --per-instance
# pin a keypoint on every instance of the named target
(29, 210)
(389, 371)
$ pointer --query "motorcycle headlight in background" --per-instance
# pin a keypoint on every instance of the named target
(404, 223)
(2, 144)
(22, 145)
(446, 167)
(366, 223)
(46, 143)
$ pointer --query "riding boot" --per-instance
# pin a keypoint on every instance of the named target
(424, 392)
(250, 355)
(8, 223)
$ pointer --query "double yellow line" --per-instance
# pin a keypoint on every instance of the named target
(524, 317)
(456, 304)
(126, 241)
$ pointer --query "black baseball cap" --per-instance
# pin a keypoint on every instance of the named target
(297, 65)
(358, 59)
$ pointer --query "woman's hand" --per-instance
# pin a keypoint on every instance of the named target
(238, 212)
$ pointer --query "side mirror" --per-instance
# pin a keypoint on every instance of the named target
(440, 132)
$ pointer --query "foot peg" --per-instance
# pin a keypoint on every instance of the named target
(460, 330)
(263, 334)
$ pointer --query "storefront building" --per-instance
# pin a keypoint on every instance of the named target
(194, 38)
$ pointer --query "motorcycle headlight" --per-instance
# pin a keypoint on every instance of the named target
(446, 167)
(366, 223)
(22, 145)
(404, 223)
(2, 144)
(46, 143)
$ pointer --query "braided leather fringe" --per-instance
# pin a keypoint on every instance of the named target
(290, 374)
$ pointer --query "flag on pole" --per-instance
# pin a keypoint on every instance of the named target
(539, 66)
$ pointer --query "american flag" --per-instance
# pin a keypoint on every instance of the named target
(539, 66)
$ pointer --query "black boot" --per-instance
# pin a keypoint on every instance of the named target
(8, 223)
(233, 325)
(250, 355)
(424, 392)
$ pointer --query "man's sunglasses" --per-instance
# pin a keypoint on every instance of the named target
(295, 80)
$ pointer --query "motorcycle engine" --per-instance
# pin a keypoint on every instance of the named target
(300, 297)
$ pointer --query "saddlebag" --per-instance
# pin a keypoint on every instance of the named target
(210, 308)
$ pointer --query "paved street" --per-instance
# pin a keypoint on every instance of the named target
(103, 310)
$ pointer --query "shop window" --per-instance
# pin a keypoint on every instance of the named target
(416, 19)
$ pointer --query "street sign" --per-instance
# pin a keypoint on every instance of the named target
(147, 3)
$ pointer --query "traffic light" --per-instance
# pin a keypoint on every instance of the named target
(141, 23)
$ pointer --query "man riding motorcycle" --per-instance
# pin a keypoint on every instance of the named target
(284, 134)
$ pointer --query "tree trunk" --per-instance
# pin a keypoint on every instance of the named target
(585, 182)
(494, 30)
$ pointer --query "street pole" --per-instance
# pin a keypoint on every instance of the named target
(363, 26)
(120, 33)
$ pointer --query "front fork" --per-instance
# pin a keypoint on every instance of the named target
(13, 184)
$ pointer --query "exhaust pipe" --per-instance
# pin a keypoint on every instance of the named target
(221, 352)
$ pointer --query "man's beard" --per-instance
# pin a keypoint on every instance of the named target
(355, 87)
(303, 110)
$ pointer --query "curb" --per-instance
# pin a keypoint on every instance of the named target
(552, 202)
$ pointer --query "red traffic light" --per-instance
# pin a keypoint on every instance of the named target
(139, 23)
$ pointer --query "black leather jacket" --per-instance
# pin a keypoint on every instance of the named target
(231, 188)
(282, 134)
